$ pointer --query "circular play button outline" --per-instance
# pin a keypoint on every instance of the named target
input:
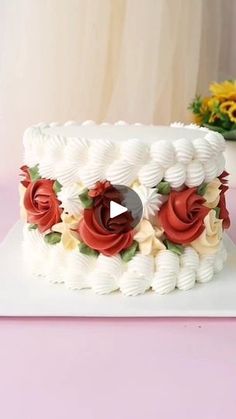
(130, 202)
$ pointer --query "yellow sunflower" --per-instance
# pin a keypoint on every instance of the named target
(225, 90)
(232, 113)
(225, 106)
(197, 119)
(205, 104)
(212, 103)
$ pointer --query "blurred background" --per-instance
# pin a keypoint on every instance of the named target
(136, 60)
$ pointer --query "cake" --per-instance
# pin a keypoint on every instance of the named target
(123, 207)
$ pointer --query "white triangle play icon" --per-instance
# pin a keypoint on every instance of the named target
(116, 209)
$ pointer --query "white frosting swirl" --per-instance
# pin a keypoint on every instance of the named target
(55, 148)
(163, 153)
(151, 200)
(167, 260)
(66, 173)
(68, 123)
(176, 175)
(218, 265)
(77, 273)
(33, 146)
(134, 151)
(102, 152)
(121, 123)
(220, 258)
(205, 271)
(47, 170)
(88, 122)
(189, 258)
(222, 251)
(69, 197)
(76, 151)
(195, 174)
(164, 282)
(90, 174)
(177, 124)
(142, 264)
(220, 164)
(186, 279)
(216, 141)
(56, 271)
(203, 151)
(184, 150)
(103, 282)
(35, 250)
(132, 284)
(55, 124)
(210, 169)
(121, 173)
(113, 265)
(151, 174)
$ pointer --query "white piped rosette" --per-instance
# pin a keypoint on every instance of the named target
(137, 279)
(79, 268)
(104, 278)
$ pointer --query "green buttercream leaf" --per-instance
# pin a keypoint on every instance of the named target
(230, 135)
(173, 247)
(128, 254)
(87, 202)
(163, 188)
(34, 173)
(57, 186)
(217, 210)
(214, 128)
(86, 250)
(32, 227)
(201, 190)
(52, 238)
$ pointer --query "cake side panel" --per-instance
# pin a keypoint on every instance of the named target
(182, 187)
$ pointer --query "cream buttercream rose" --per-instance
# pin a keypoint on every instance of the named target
(212, 193)
(209, 240)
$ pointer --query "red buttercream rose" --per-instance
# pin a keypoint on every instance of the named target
(41, 204)
(182, 216)
(25, 176)
(100, 232)
(224, 213)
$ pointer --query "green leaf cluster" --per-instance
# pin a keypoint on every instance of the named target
(173, 247)
(52, 238)
(57, 187)
(86, 250)
(85, 199)
(163, 188)
(128, 254)
(34, 173)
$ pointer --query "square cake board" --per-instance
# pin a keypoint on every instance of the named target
(21, 295)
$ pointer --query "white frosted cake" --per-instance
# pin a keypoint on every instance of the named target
(123, 207)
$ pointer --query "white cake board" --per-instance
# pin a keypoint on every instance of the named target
(24, 296)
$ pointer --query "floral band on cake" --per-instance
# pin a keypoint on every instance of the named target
(173, 218)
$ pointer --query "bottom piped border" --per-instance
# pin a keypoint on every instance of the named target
(162, 273)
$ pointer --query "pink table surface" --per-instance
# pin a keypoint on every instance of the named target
(115, 368)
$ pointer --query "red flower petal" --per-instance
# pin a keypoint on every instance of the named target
(182, 216)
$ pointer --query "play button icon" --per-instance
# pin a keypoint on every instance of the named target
(116, 209)
(129, 203)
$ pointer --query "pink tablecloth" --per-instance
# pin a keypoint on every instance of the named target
(116, 368)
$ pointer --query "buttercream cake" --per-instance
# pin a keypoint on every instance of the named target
(123, 207)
